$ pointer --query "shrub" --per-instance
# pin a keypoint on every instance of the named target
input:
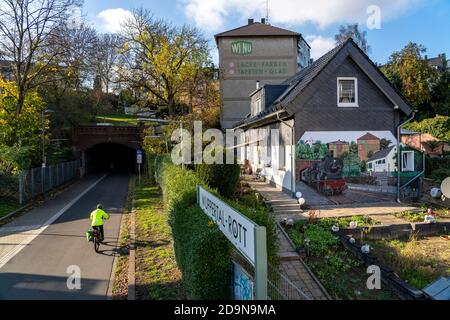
(201, 250)
(223, 177)
(440, 174)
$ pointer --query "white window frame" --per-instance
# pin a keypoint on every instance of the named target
(348, 104)
(408, 169)
(258, 106)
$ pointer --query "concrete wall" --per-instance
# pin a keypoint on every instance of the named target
(272, 60)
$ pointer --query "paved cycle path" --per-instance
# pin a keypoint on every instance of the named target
(41, 251)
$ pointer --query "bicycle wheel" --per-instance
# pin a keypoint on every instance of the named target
(96, 244)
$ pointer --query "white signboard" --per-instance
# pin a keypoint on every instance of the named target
(139, 158)
(235, 226)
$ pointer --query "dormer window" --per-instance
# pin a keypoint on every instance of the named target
(347, 90)
(258, 106)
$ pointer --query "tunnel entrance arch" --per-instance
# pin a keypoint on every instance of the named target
(103, 148)
(113, 157)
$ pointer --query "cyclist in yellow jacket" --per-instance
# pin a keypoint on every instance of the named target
(97, 217)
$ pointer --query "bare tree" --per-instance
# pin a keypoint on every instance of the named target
(159, 58)
(106, 59)
(26, 27)
(353, 31)
(73, 67)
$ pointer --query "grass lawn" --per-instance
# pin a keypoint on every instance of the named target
(419, 261)
(7, 207)
(341, 273)
(118, 119)
(157, 274)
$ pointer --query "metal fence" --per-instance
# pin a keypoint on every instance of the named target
(279, 287)
(35, 181)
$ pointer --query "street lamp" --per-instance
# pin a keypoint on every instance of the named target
(44, 158)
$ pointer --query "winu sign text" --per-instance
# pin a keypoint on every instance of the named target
(238, 229)
(241, 47)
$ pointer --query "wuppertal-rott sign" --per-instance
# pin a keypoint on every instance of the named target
(245, 235)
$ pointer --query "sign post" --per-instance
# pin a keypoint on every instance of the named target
(245, 235)
(139, 162)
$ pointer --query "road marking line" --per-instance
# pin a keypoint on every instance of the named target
(12, 230)
(15, 250)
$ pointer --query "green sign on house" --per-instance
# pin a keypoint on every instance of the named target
(241, 47)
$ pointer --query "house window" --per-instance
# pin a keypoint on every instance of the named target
(258, 108)
(269, 148)
(408, 161)
(282, 156)
(347, 90)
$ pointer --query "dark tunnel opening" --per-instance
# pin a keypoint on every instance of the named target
(111, 157)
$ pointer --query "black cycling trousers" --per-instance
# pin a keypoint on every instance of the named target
(102, 234)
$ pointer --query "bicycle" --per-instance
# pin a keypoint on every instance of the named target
(96, 239)
(94, 236)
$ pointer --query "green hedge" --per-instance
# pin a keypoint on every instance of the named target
(201, 250)
(223, 177)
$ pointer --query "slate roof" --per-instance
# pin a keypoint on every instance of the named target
(297, 81)
(257, 29)
(381, 154)
(304, 77)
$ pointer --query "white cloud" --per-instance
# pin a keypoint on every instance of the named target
(319, 45)
(110, 20)
(212, 14)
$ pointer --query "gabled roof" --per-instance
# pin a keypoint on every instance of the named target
(339, 142)
(257, 29)
(368, 136)
(381, 154)
(304, 77)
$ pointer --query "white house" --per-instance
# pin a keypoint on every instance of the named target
(383, 160)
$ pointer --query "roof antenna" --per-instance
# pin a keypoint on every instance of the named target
(267, 11)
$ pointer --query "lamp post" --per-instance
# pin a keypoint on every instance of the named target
(44, 158)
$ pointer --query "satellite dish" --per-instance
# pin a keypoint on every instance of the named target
(445, 187)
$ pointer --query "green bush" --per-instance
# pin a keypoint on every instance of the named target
(440, 174)
(223, 177)
(201, 250)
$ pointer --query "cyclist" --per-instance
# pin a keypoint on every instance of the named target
(97, 217)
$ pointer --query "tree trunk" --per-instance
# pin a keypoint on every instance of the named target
(20, 101)
(171, 105)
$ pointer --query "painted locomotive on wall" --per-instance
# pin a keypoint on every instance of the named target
(325, 175)
(326, 159)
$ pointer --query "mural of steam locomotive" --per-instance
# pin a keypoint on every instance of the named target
(325, 175)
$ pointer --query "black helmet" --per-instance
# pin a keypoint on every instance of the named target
(99, 206)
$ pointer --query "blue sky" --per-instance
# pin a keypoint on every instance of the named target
(423, 21)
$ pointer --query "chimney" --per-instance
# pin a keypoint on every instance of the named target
(250, 21)
(263, 20)
(257, 84)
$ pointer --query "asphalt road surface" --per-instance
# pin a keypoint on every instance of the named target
(41, 270)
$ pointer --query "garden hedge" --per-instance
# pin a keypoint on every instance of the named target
(202, 251)
(223, 177)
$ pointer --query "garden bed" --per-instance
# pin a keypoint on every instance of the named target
(339, 270)
(419, 261)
